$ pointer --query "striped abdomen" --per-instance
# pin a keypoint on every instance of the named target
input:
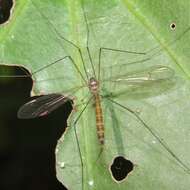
(99, 119)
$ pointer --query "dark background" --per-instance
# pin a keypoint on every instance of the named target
(27, 147)
(5, 7)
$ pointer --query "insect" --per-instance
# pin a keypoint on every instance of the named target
(101, 80)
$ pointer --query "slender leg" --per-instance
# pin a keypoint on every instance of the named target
(78, 145)
(87, 39)
(161, 141)
(62, 37)
(57, 61)
(115, 50)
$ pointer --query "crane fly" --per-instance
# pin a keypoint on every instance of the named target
(94, 76)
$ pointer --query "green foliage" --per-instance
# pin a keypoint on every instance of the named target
(32, 38)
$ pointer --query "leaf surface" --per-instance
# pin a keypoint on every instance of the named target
(41, 32)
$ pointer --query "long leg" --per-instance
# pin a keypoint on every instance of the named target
(102, 48)
(62, 37)
(161, 141)
(87, 39)
(78, 145)
(152, 52)
(115, 50)
(157, 49)
(57, 61)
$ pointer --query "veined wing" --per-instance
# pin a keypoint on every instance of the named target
(149, 75)
(41, 106)
(144, 82)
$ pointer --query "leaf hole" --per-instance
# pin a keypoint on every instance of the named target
(120, 168)
(173, 26)
(15, 78)
(5, 10)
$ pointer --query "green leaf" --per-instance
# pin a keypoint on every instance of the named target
(41, 32)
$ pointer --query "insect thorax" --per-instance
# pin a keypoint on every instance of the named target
(93, 85)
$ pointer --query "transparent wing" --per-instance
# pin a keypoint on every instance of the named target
(143, 82)
(41, 106)
(152, 74)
